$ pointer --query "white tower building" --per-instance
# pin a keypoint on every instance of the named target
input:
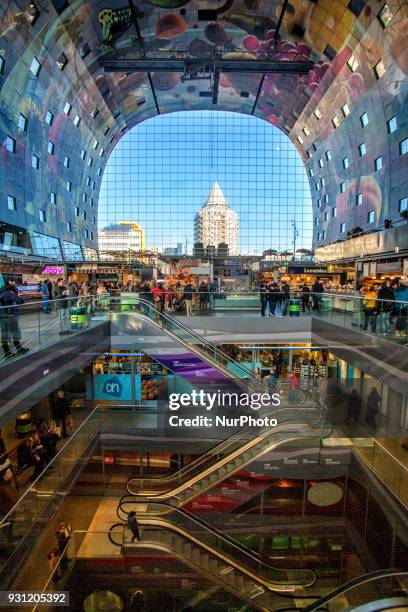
(216, 222)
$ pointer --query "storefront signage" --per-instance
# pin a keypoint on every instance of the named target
(389, 266)
(53, 270)
(307, 270)
(116, 387)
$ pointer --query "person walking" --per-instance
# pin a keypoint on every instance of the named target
(386, 303)
(9, 326)
(285, 294)
(188, 298)
(305, 295)
(60, 411)
(373, 408)
(353, 407)
(133, 526)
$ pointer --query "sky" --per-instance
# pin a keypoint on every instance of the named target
(162, 170)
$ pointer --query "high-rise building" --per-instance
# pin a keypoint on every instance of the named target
(216, 222)
(122, 236)
(178, 250)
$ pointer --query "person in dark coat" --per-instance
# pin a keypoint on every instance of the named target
(263, 296)
(373, 407)
(305, 294)
(285, 294)
(60, 411)
(9, 326)
(353, 407)
(134, 526)
(386, 297)
(273, 298)
(317, 290)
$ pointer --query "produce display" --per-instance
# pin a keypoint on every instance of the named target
(150, 388)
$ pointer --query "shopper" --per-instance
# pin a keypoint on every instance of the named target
(63, 533)
(188, 298)
(370, 306)
(203, 296)
(61, 295)
(353, 407)
(386, 297)
(59, 411)
(263, 296)
(159, 297)
(27, 457)
(317, 290)
(10, 330)
(49, 440)
(45, 296)
(73, 291)
(133, 526)
(373, 408)
(210, 291)
(285, 295)
(272, 378)
(273, 298)
(305, 295)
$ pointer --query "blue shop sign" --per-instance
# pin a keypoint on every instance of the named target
(113, 387)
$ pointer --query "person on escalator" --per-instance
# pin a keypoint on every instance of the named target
(133, 526)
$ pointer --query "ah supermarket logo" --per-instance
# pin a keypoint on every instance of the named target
(113, 387)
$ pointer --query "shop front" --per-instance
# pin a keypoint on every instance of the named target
(374, 272)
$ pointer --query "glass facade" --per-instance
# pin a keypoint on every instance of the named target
(46, 246)
(161, 172)
(72, 251)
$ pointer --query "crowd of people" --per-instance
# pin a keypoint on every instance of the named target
(38, 448)
(386, 303)
(275, 296)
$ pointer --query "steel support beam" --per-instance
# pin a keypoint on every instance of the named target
(222, 65)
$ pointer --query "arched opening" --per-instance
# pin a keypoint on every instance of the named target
(163, 171)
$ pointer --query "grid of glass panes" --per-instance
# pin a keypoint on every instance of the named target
(162, 171)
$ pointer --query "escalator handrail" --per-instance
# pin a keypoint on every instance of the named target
(166, 317)
(250, 443)
(347, 586)
(223, 536)
(202, 458)
(159, 521)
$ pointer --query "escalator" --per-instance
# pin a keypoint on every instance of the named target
(183, 351)
(213, 554)
(385, 589)
(230, 456)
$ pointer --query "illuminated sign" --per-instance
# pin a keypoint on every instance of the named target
(53, 270)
